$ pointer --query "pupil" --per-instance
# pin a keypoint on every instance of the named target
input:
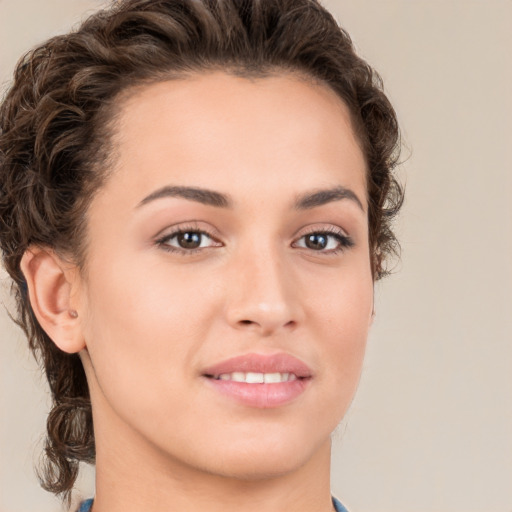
(189, 240)
(316, 241)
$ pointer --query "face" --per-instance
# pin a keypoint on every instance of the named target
(228, 291)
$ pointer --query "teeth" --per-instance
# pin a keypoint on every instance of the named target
(271, 378)
(257, 378)
(254, 378)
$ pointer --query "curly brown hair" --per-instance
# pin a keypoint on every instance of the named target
(55, 131)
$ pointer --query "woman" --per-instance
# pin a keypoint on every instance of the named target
(196, 201)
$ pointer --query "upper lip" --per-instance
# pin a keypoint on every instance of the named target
(261, 363)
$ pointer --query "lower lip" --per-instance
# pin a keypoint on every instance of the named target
(262, 396)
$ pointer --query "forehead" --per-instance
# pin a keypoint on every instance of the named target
(219, 130)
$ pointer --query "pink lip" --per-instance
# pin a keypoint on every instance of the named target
(260, 395)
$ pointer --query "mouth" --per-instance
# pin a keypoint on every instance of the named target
(256, 377)
(260, 381)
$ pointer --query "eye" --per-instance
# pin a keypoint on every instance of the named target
(328, 241)
(186, 241)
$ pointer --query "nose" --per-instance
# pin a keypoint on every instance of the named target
(263, 295)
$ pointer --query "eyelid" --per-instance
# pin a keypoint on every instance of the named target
(173, 231)
(191, 225)
(345, 241)
(318, 228)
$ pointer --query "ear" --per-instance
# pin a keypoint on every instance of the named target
(372, 315)
(50, 283)
(372, 318)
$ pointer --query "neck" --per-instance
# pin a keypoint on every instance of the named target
(141, 478)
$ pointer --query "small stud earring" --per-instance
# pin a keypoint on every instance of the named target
(73, 313)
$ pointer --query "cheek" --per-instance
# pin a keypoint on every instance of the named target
(145, 296)
(344, 313)
(143, 328)
(343, 299)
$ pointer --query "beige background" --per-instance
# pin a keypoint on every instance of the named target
(431, 427)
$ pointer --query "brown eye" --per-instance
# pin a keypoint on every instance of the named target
(316, 241)
(189, 240)
(325, 241)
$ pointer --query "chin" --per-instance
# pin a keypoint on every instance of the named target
(256, 468)
(262, 458)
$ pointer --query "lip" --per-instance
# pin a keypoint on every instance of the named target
(262, 395)
(261, 363)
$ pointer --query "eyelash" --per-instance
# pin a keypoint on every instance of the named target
(344, 242)
(162, 242)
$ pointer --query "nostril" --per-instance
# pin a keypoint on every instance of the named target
(246, 322)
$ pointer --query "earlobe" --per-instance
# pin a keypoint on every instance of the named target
(49, 283)
(372, 314)
(372, 317)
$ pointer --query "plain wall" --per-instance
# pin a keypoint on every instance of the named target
(431, 427)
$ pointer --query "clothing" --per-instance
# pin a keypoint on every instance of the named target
(87, 504)
(338, 506)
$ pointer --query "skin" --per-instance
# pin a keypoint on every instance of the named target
(149, 320)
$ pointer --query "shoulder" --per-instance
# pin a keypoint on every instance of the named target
(86, 505)
(338, 506)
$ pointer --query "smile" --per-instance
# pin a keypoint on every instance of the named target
(257, 378)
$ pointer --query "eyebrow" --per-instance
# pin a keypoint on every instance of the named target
(200, 195)
(304, 201)
(320, 197)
